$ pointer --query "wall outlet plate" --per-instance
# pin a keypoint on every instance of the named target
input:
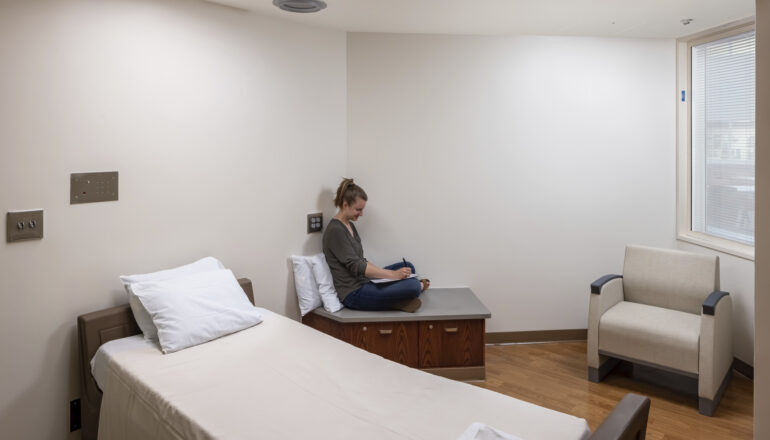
(74, 415)
(93, 187)
(23, 225)
(315, 222)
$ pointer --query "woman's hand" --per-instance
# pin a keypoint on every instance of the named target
(373, 271)
(400, 274)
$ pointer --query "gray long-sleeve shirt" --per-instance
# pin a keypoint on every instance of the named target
(345, 256)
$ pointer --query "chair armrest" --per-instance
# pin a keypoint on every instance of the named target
(610, 293)
(596, 286)
(710, 304)
(715, 347)
(628, 420)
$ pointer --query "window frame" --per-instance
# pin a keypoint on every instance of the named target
(684, 134)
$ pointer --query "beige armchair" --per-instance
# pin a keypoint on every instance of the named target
(666, 311)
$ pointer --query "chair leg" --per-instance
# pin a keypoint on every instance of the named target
(707, 407)
(596, 375)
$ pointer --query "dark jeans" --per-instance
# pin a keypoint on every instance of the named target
(384, 296)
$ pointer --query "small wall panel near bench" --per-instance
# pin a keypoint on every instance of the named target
(445, 336)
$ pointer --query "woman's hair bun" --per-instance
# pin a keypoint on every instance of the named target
(348, 192)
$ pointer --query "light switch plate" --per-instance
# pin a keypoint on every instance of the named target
(93, 187)
(23, 225)
(315, 222)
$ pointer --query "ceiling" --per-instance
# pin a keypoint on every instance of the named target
(603, 18)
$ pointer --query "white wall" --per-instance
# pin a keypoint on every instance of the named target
(519, 166)
(226, 128)
(762, 280)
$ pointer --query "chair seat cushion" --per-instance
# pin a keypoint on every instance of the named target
(664, 337)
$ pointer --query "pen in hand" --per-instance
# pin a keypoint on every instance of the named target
(405, 265)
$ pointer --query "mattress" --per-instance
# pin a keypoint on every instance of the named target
(110, 349)
(283, 380)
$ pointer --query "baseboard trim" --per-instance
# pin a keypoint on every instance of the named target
(743, 368)
(579, 334)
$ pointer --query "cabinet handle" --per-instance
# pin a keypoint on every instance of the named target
(364, 329)
(430, 326)
(451, 329)
(385, 332)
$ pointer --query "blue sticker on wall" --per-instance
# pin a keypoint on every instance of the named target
(682, 95)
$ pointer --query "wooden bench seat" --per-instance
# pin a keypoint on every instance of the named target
(445, 336)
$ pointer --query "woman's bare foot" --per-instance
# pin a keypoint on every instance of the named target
(425, 283)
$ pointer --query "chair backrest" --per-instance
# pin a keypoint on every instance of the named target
(667, 278)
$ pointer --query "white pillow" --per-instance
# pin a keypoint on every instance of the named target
(323, 277)
(197, 308)
(305, 284)
(141, 316)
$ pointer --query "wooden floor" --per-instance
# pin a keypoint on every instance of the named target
(554, 375)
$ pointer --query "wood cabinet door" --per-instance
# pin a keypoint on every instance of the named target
(396, 341)
(451, 343)
(324, 325)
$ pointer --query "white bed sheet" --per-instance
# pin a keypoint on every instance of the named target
(284, 380)
(110, 349)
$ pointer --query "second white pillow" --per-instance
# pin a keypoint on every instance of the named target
(323, 277)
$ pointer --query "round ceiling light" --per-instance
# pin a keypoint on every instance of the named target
(303, 6)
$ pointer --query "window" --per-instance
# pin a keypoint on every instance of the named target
(716, 77)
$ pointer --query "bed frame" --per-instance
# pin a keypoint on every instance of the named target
(627, 421)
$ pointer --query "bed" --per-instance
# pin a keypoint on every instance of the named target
(281, 379)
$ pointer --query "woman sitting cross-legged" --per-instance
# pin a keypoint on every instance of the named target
(352, 272)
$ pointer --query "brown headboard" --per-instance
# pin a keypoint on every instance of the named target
(96, 328)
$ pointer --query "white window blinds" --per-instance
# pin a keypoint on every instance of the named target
(723, 73)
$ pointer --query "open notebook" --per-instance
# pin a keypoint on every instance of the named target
(388, 280)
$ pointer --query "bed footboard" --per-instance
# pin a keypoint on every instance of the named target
(627, 421)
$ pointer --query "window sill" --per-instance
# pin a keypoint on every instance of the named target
(718, 244)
